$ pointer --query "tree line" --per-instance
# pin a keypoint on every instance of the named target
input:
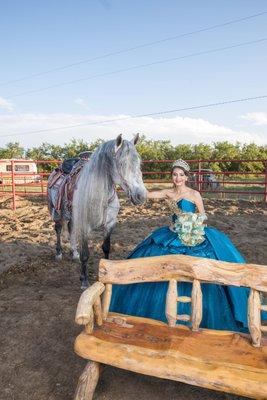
(153, 150)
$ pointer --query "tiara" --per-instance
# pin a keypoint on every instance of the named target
(181, 163)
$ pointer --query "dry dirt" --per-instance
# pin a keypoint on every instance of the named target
(38, 299)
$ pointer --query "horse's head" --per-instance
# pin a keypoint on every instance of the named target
(128, 169)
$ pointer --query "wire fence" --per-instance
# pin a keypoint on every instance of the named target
(29, 178)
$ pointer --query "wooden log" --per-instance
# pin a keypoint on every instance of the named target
(184, 299)
(181, 267)
(119, 321)
(98, 311)
(106, 300)
(89, 327)
(218, 360)
(86, 302)
(254, 317)
(171, 303)
(196, 310)
(87, 382)
(183, 317)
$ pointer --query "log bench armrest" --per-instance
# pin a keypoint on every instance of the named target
(88, 302)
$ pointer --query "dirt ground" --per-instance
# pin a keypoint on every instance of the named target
(38, 299)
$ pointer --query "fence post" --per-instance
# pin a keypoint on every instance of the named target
(42, 184)
(13, 184)
(265, 185)
(199, 176)
(2, 181)
(223, 194)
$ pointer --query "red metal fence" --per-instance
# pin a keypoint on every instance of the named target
(224, 184)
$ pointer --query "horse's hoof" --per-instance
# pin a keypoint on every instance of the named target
(84, 285)
(76, 256)
(58, 257)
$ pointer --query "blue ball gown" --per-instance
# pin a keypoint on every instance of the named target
(224, 307)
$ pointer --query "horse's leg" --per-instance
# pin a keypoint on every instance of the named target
(112, 212)
(84, 256)
(58, 229)
(106, 245)
(73, 243)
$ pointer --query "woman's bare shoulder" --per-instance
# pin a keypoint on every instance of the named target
(195, 194)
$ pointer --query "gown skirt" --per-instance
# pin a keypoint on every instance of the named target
(224, 307)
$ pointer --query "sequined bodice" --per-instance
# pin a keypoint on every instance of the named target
(182, 205)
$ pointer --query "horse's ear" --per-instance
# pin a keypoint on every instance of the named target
(135, 139)
(118, 143)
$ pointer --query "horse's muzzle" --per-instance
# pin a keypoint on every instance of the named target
(138, 198)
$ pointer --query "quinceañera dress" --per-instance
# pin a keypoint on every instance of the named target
(224, 307)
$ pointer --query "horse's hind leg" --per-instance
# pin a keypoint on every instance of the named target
(84, 256)
(73, 243)
(58, 229)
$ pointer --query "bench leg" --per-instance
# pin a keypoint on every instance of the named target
(87, 381)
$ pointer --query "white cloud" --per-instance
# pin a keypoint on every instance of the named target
(177, 129)
(258, 118)
(6, 104)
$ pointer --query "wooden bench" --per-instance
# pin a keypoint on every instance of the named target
(220, 360)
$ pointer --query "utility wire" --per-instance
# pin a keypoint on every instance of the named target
(219, 103)
(170, 38)
(135, 67)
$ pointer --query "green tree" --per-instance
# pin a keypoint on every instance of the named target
(75, 147)
(46, 151)
(225, 151)
(253, 152)
(155, 150)
(184, 151)
(12, 150)
(201, 151)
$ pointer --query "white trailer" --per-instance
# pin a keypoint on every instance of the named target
(25, 171)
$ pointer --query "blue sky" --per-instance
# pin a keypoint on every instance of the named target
(38, 36)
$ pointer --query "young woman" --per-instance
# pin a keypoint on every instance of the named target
(224, 307)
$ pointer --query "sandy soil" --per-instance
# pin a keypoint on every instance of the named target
(38, 299)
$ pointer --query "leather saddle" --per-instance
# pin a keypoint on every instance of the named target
(61, 183)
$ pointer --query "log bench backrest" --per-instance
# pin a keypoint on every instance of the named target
(181, 268)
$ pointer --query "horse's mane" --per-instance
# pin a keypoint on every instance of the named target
(91, 194)
(95, 186)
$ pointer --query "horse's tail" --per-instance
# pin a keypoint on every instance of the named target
(80, 217)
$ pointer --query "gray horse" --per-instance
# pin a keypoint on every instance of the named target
(95, 201)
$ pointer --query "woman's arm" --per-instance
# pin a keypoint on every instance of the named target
(199, 202)
(157, 194)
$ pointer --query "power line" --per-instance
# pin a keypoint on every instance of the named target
(135, 67)
(219, 103)
(170, 38)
